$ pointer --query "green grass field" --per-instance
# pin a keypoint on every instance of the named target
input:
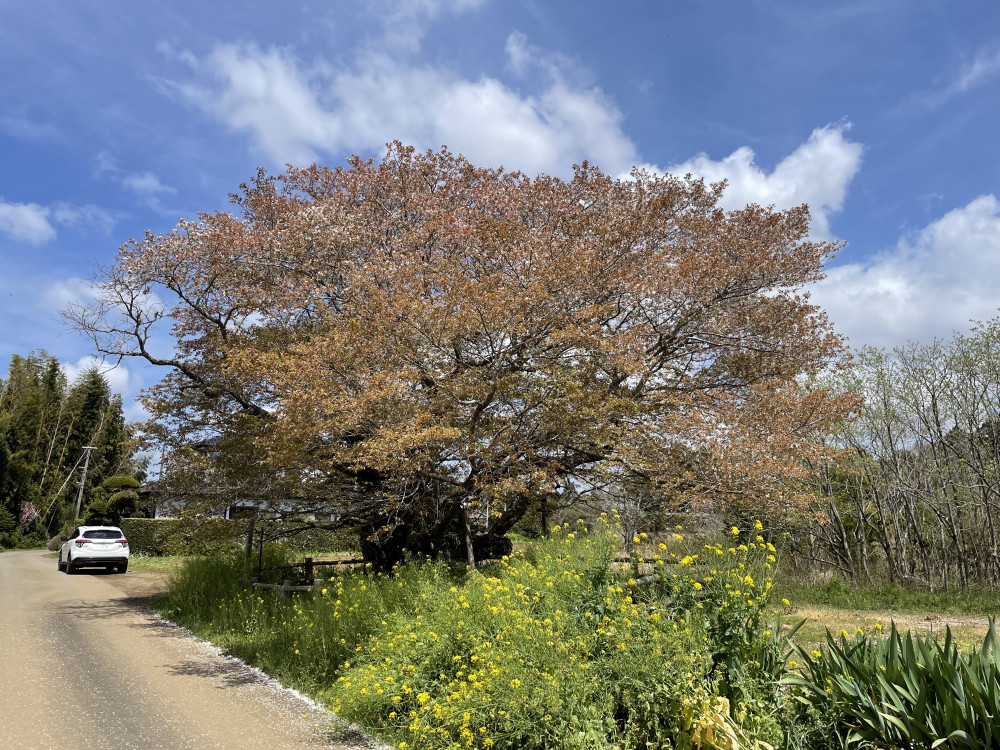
(837, 606)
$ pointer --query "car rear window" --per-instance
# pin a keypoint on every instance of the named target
(102, 534)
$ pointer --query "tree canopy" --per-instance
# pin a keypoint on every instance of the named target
(407, 344)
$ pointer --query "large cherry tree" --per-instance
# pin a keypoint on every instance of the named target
(422, 348)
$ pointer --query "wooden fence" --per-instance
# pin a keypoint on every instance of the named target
(309, 566)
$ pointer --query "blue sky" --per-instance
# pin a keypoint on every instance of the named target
(882, 115)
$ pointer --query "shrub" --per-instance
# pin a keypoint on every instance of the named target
(7, 525)
(149, 536)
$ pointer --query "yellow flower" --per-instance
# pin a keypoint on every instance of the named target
(786, 602)
(735, 531)
(758, 525)
(815, 654)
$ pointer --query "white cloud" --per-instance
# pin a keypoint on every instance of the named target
(985, 66)
(146, 184)
(19, 125)
(294, 112)
(927, 286)
(818, 173)
(118, 377)
(26, 222)
(136, 412)
(61, 294)
(33, 224)
(78, 217)
(404, 22)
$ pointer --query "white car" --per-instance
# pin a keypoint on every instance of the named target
(94, 546)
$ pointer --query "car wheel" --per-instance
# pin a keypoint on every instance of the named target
(123, 568)
(60, 566)
(69, 567)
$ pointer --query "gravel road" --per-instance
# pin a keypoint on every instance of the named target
(84, 664)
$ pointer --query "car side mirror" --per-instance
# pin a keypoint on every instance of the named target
(64, 539)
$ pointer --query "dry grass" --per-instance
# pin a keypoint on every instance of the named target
(967, 630)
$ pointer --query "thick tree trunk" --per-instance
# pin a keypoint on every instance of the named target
(384, 550)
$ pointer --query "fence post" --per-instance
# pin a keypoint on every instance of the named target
(309, 569)
(285, 586)
(260, 552)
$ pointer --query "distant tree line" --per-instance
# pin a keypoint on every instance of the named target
(915, 497)
(45, 422)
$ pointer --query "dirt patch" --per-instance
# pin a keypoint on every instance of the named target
(140, 584)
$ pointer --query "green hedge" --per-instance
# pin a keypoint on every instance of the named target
(171, 536)
(313, 540)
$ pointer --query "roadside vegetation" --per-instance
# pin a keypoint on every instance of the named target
(553, 646)
(687, 645)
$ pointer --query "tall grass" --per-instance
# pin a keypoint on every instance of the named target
(304, 641)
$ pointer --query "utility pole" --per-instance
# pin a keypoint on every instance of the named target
(83, 479)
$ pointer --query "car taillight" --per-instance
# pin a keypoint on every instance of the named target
(81, 542)
(123, 542)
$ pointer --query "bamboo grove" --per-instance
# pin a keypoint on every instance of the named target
(45, 421)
